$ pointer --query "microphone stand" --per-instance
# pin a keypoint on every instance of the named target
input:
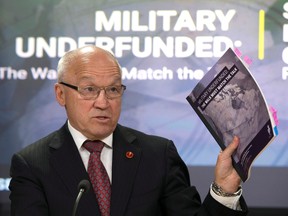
(83, 187)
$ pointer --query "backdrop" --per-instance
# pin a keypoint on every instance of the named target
(164, 47)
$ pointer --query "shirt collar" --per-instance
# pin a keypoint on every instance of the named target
(79, 138)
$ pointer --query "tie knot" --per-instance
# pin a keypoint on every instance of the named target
(93, 146)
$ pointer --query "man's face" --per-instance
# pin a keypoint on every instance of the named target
(96, 118)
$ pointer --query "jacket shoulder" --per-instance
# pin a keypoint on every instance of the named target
(131, 134)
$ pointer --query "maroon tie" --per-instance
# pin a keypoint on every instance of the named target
(98, 176)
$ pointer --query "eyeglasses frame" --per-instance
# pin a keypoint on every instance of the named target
(100, 88)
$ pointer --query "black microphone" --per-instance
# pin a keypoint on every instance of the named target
(83, 187)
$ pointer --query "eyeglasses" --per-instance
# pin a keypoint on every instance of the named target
(92, 92)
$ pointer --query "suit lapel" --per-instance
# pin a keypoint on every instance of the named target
(124, 169)
(66, 161)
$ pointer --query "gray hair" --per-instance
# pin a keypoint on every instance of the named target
(64, 63)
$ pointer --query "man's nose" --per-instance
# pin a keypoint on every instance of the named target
(101, 100)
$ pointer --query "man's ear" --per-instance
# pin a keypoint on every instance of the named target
(60, 95)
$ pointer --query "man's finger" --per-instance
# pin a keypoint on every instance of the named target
(232, 146)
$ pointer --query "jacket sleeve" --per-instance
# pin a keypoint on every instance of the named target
(27, 197)
(180, 198)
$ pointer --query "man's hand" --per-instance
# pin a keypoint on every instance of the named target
(225, 174)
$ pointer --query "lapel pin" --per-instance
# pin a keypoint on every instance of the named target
(129, 154)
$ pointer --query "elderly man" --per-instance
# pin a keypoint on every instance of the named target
(131, 173)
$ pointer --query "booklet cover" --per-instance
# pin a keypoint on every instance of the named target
(230, 103)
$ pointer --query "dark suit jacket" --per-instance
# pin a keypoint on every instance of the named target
(155, 182)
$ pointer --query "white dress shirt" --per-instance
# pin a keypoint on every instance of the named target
(230, 202)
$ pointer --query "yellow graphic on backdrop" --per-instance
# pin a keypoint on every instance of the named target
(261, 33)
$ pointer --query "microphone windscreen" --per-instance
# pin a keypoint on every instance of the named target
(84, 184)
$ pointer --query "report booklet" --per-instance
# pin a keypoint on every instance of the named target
(230, 103)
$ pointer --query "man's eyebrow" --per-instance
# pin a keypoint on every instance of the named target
(92, 80)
